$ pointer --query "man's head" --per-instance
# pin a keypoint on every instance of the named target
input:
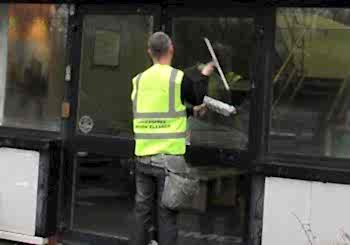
(224, 55)
(160, 48)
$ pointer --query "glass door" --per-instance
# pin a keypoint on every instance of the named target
(219, 216)
(112, 45)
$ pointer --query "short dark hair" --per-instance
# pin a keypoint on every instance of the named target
(222, 50)
(224, 54)
(159, 44)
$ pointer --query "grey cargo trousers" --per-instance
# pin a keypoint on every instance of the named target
(149, 213)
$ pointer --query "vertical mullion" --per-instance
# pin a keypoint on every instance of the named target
(262, 82)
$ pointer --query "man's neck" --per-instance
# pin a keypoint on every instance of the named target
(163, 61)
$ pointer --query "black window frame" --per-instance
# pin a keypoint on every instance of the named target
(301, 166)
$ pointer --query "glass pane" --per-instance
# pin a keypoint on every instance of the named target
(32, 64)
(218, 216)
(310, 113)
(111, 56)
(104, 194)
(232, 39)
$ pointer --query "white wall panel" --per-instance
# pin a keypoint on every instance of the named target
(19, 171)
(323, 210)
(283, 198)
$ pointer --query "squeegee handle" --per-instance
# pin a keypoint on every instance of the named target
(223, 78)
(217, 65)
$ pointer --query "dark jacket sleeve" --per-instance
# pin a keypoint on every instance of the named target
(193, 90)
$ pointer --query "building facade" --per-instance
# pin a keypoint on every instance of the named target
(277, 173)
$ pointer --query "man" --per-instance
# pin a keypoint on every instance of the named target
(215, 130)
(232, 132)
(34, 91)
(160, 122)
(238, 96)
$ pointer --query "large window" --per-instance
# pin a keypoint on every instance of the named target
(310, 110)
(32, 61)
(232, 39)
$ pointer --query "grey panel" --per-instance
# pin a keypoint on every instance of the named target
(3, 55)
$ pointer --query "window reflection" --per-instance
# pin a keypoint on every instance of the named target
(233, 44)
(35, 50)
(311, 82)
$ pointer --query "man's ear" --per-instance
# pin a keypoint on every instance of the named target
(171, 49)
(149, 53)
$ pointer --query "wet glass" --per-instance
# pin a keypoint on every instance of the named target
(113, 51)
(32, 64)
(232, 40)
(310, 109)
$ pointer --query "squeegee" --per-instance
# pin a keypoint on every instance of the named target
(219, 106)
(216, 62)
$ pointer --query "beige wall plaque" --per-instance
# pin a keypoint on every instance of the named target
(106, 48)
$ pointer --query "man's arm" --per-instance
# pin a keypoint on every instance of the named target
(193, 92)
(195, 87)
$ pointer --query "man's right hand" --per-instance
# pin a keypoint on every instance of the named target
(199, 111)
(208, 69)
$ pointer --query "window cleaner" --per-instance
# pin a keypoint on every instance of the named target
(216, 62)
(213, 104)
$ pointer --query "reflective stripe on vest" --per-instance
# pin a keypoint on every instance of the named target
(160, 136)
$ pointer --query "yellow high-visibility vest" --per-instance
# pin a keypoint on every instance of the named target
(160, 120)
